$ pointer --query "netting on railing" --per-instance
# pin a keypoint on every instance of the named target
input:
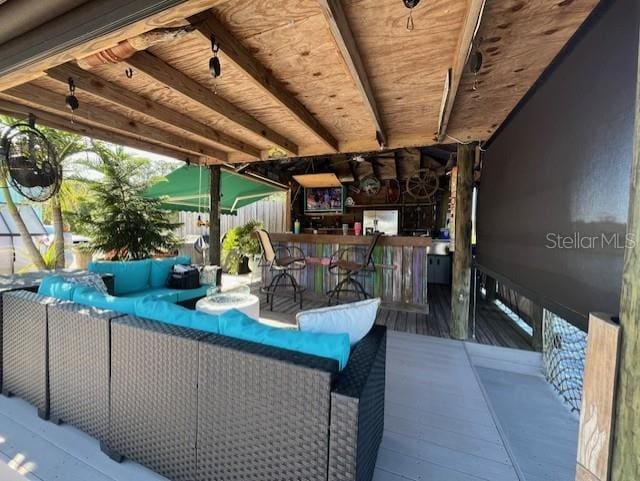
(563, 357)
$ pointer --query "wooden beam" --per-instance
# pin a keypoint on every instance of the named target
(342, 35)
(375, 167)
(38, 97)
(598, 399)
(45, 118)
(461, 278)
(214, 215)
(490, 289)
(469, 29)
(90, 28)
(537, 318)
(288, 208)
(165, 74)
(92, 84)
(626, 463)
(353, 168)
(243, 60)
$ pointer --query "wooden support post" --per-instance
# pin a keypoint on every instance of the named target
(537, 318)
(287, 213)
(626, 462)
(596, 414)
(461, 279)
(490, 289)
(214, 215)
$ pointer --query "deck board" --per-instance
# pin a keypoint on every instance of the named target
(492, 326)
(446, 419)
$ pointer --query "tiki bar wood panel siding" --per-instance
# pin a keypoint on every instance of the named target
(401, 263)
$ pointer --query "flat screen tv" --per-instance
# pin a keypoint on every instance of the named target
(323, 200)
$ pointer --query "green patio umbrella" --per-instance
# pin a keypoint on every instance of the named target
(187, 189)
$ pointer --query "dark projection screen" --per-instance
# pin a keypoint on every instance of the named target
(553, 197)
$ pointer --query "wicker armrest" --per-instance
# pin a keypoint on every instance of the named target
(263, 412)
(79, 366)
(357, 410)
(154, 369)
(25, 362)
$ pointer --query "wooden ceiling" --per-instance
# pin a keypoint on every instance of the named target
(303, 77)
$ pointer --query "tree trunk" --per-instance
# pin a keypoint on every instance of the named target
(32, 250)
(58, 229)
(461, 277)
(625, 460)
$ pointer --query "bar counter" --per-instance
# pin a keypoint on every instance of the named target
(399, 279)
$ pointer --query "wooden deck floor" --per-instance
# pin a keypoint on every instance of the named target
(492, 326)
(454, 412)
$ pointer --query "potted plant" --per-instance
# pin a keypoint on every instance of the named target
(240, 247)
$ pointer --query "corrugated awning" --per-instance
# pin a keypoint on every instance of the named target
(187, 189)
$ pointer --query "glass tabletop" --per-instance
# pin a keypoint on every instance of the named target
(224, 298)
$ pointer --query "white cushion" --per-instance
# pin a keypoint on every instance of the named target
(89, 279)
(355, 319)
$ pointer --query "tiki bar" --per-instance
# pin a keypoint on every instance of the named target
(320, 240)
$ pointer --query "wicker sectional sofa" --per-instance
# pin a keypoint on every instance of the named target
(192, 405)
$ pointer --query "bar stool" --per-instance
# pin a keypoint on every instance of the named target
(340, 265)
(281, 266)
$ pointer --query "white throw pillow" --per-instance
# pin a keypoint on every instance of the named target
(355, 319)
(90, 279)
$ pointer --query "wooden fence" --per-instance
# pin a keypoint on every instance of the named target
(271, 211)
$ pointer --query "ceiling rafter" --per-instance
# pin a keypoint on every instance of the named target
(343, 37)
(467, 34)
(207, 24)
(18, 111)
(90, 83)
(37, 97)
(173, 78)
(95, 26)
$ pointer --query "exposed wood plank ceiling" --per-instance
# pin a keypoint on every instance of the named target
(299, 79)
(520, 38)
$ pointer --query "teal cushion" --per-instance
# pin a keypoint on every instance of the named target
(161, 294)
(129, 276)
(205, 322)
(169, 313)
(236, 324)
(56, 286)
(163, 311)
(188, 294)
(90, 296)
(160, 269)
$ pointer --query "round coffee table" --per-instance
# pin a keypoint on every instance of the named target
(224, 301)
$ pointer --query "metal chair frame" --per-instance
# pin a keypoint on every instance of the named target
(282, 265)
(358, 268)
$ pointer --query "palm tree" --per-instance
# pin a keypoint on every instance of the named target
(30, 246)
(66, 145)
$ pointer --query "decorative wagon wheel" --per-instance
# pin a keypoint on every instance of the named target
(423, 184)
(370, 186)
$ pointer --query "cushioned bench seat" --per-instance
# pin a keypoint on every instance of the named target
(148, 277)
(171, 295)
(233, 323)
(159, 293)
